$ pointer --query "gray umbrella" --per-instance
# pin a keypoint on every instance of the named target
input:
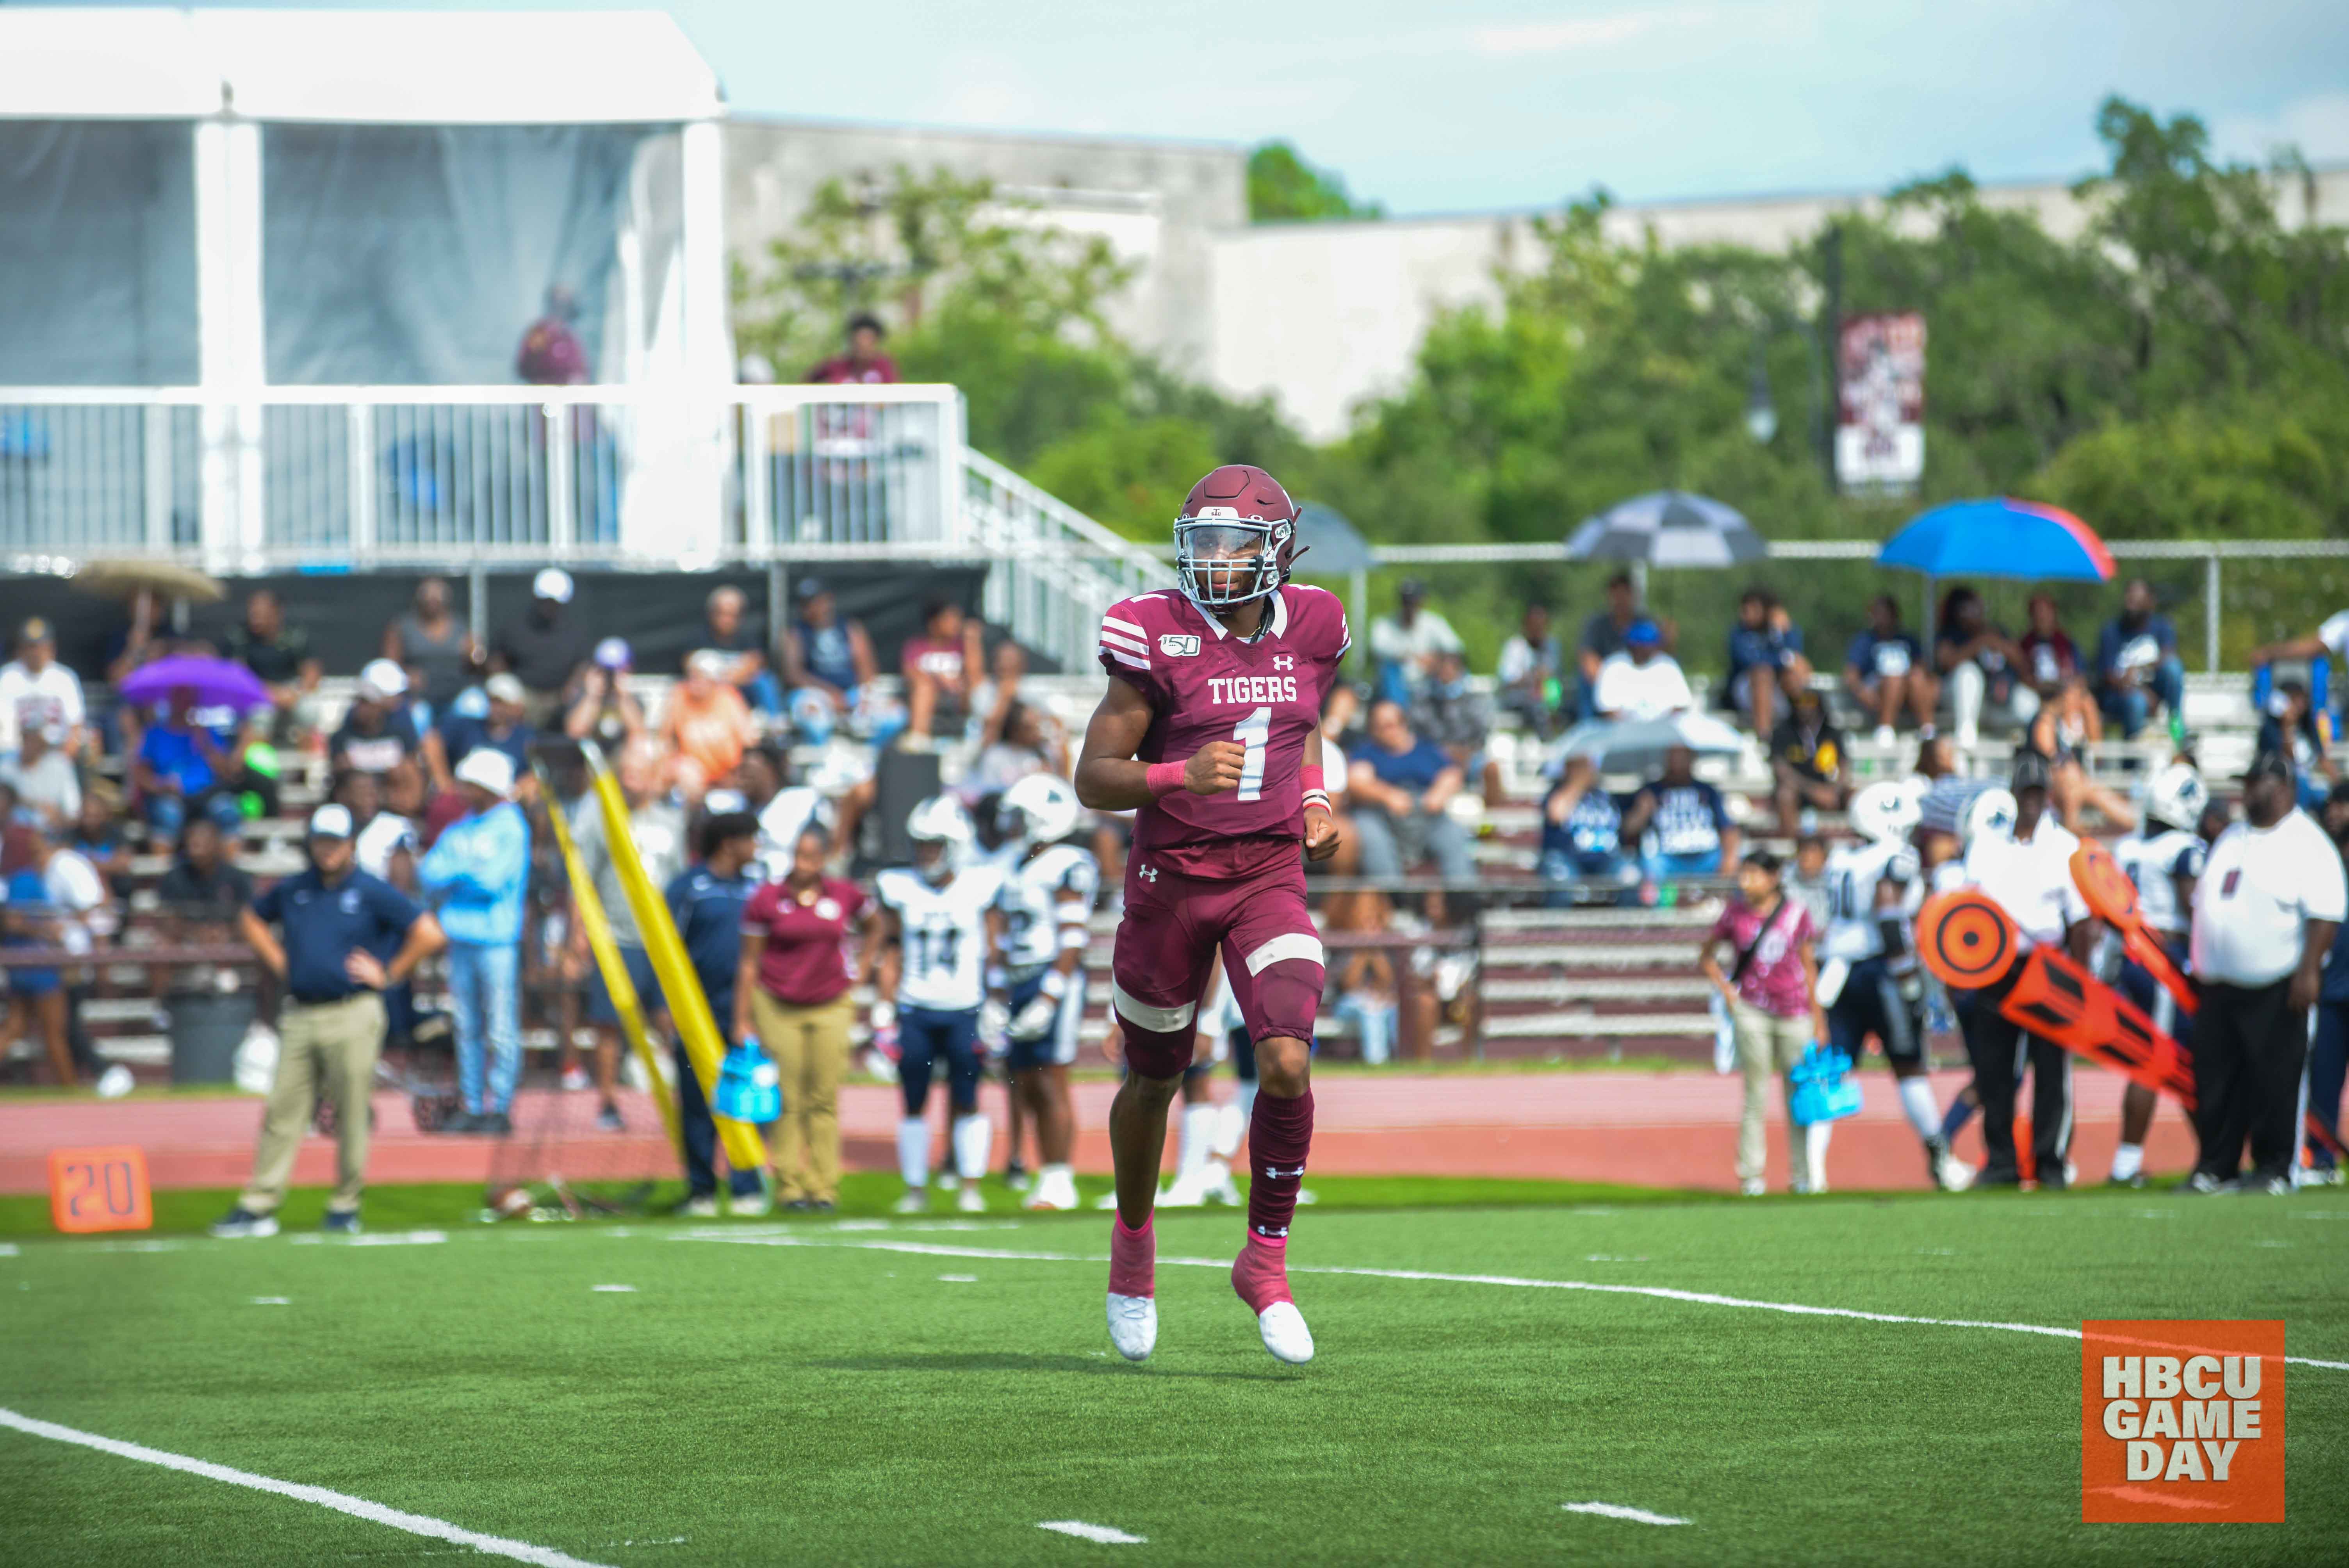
(1337, 548)
(1668, 527)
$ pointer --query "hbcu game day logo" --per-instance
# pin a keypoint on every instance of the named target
(2181, 1423)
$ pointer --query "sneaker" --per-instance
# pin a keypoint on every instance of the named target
(2202, 1184)
(798, 1205)
(2320, 1176)
(2274, 1184)
(1054, 1193)
(823, 1206)
(970, 1200)
(700, 1206)
(242, 1221)
(341, 1223)
(1949, 1173)
(1887, 737)
(1183, 1192)
(916, 1200)
(1133, 1325)
(608, 1119)
(495, 1124)
(752, 1206)
(463, 1122)
(576, 1079)
(1285, 1334)
(1016, 1177)
(2135, 1181)
(1752, 1187)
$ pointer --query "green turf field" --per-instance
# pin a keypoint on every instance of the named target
(860, 1392)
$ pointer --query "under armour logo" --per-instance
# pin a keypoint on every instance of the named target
(1148, 873)
(1274, 1231)
(1274, 1173)
(1284, 661)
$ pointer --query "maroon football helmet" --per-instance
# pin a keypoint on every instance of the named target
(1236, 539)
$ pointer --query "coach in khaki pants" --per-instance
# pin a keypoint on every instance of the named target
(791, 994)
(347, 936)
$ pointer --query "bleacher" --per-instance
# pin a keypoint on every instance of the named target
(1514, 979)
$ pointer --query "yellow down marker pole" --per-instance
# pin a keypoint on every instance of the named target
(689, 1008)
(588, 911)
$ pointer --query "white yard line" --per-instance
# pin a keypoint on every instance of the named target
(1105, 1534)
(341, 1502)
(1617, 1510)
(1656, 1291)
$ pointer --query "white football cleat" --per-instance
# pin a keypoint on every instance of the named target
(1216, 1184)
(1054, 1190)
(916, 1200)
(1285, 1334)
(1134, 1326)
(1953, 1174)
(971, 1200)
(1106, 1200)
(1182, 1192)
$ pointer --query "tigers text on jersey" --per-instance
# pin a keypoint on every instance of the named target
(2155, 862)
(1041, 894)
(943, 932)
(1854, 874)
(1204, 683)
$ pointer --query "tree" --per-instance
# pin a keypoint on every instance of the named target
(1282, 188)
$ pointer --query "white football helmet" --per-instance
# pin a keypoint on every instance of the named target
(2177, 797)
(1041, 809)
(941, 833)
(1885, 811)
(1993, 811)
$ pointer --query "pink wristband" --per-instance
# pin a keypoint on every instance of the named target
(1163, 778)
(1309, 777)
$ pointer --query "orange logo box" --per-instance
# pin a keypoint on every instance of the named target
(100, 1190)
(2181, 1423)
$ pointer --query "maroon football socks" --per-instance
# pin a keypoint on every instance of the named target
(1279, 1133)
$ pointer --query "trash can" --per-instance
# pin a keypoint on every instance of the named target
(206, 1028)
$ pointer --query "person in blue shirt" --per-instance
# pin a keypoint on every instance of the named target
(706, 901)
(347, 936)
(477, 873)
(1759, 641)
(2137, 664)
(1397, 790)
(1681, 825)
(1582, 842)
(490, 716)
(1885, 670)
(179, 763)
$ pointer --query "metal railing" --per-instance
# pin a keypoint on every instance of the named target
(1060, 569)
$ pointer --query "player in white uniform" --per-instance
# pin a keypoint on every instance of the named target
(2164, 858)
(1048, 895)
(937, 939)
(1869, 972)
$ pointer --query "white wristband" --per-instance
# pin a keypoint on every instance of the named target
(1054, 983)
(1317, 797)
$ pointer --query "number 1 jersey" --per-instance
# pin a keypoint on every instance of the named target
(1205, 683)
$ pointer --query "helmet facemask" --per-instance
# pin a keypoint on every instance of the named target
(1227, 561)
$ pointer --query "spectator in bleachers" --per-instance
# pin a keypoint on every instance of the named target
(863, 364)
(1772, 993)
(34, 689)
(1759, 641)
(475, 876)
(1023, 741)
(1582, 840)
(746, 661)
(502, 726)
(47, 782)
(1399, 787)
(657, 828)
(551, 354)
(96, 836)
(941, 669)
(827, 654)
(1605, 634)
(179, 763)
(601, 706)
(2049, 660)
(708, 725)
(1981, 664)
(377, 733)
(2138, 672)
(280, 659)
(36, 997)
(708, 901)
(1885, 670)
(1809, 762)
(198, 900)
(1449, 712)
(429, 639)
(1640, 680)
(381, 839)
(1403, 645)
(545, 647)
(2292, 727)
(1528, 672)
(2067, 723)
(1680, 824)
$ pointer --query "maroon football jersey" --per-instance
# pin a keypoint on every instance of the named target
(1204, 684)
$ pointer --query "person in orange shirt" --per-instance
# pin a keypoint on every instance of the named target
(708, 726)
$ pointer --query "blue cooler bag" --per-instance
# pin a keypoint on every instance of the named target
(1824, 1089)
(749, 1088)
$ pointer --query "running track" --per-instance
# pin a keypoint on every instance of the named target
(1667, 1129)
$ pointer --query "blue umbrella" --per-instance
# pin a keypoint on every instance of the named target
(1999, 536)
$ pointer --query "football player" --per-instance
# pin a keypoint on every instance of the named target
(2164, 858)
(1048, 893)
(935, 941)
(1210, 734)
(1869, 976)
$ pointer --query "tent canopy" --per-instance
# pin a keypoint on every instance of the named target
(376, 68)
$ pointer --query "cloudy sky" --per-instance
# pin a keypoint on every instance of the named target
(1477, 104)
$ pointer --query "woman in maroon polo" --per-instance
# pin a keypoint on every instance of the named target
(792, 995)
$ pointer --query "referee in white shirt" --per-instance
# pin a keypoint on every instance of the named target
(2027, 872)
(2263, 917)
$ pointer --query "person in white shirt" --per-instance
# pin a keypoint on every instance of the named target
(2027, 871)
(2265, 907)
(1642, 681)
(1403, 645)
(36, 690)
